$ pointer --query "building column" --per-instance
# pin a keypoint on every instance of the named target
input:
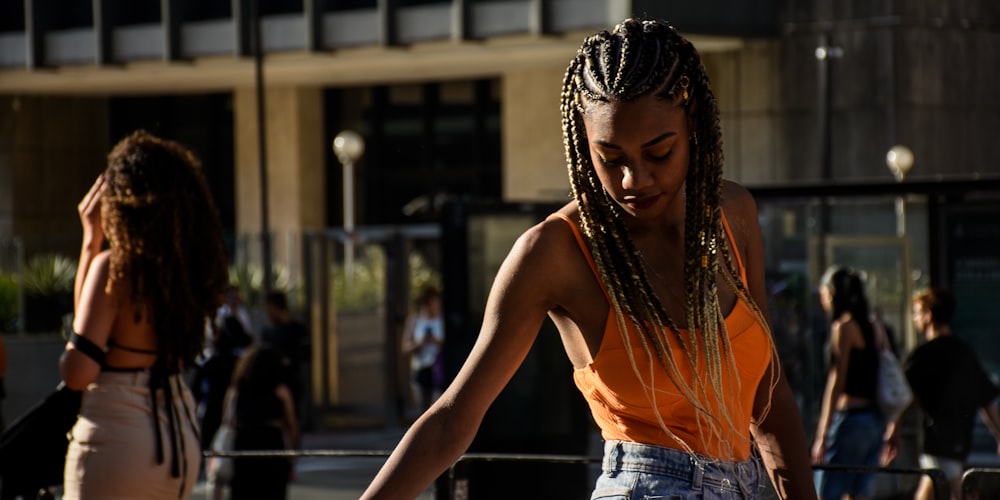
(533, 154)
(296, 186)
(296, 180)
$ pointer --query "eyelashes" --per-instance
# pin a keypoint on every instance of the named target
(620, 162)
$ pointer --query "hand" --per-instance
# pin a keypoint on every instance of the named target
(819, 451)
(90, 213)
(890, 450)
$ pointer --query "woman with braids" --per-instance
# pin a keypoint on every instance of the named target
(850, 427)
(653, 275)
(141, 306)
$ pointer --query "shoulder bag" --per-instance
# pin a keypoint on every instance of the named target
(41, 434)
(893, 392)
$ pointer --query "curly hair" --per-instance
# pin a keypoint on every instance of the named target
(639, 58)
(165, 236)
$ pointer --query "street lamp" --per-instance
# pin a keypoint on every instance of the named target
(899, 159)
(348, 146)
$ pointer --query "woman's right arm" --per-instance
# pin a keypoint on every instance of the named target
(93, 234)
(93, 309)
(518, 302)
(93, 319)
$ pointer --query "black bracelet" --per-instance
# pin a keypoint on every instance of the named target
(87, 347)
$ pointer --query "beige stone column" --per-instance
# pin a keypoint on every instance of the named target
(296, 176)
(533, 154)
(296, 181)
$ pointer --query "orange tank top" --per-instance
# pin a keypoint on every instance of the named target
(622, 404)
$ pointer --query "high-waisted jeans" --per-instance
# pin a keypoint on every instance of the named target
(642, 471)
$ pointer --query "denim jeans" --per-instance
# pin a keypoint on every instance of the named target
(642, 471)
(854, 438)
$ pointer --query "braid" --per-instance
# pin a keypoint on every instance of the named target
(636, 59)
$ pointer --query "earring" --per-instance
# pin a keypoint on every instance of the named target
(684, 82)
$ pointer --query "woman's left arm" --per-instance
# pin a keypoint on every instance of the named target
(289, 417)
(777, 424)
(781, 438)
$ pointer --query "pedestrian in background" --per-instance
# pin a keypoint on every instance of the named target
(213, 376)
(290, 338)
(949, 386)
(141, 306)
(654, 277)
(423, 337)
(264, 419)
(234, 306)
(850, 427)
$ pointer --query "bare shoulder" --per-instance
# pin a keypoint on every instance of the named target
(548, 256)
(101, 262)
(740, 211)
(551, 237)
(737, 200)
(98, 275)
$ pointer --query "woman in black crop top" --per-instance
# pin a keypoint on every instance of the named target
(850, 427)
(152, 271)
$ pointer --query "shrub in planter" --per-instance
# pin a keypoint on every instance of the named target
(8, 303)
(48, 292)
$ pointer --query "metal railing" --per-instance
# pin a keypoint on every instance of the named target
(455, 481)
(980, 483)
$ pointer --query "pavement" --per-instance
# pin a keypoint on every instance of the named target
(342, 476)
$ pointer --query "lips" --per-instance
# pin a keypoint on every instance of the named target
(641, 203)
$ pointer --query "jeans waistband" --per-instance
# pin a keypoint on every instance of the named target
(622, 456)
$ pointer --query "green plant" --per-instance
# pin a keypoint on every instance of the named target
(249, 278)
(8, 302)
(362, 284)
(48, 292)
(49, 274)
(421, 275)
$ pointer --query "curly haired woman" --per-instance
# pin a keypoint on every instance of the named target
(141, 306)
(654, 277)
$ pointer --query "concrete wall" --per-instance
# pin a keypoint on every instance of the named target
(750, 106)
(921, 73)
(32, 371)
